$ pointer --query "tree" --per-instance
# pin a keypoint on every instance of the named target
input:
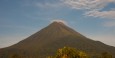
(68, 52)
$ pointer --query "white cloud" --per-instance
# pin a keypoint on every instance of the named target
(102, 14)
(93, 7)
(87, 4)
(59, 20)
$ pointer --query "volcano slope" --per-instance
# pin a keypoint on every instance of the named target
(46, 41)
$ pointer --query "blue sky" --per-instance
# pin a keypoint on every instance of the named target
(22, 18)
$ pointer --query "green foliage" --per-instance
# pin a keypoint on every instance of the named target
(68, 52)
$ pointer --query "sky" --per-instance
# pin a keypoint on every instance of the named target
(94, 19)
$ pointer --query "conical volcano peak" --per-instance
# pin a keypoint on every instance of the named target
(49, 39)
(63, 29)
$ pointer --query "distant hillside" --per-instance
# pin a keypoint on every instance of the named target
(48, 40)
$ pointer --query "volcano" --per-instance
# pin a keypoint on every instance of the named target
(56, 35)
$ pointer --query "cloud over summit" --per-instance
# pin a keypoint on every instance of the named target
(59, 20)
